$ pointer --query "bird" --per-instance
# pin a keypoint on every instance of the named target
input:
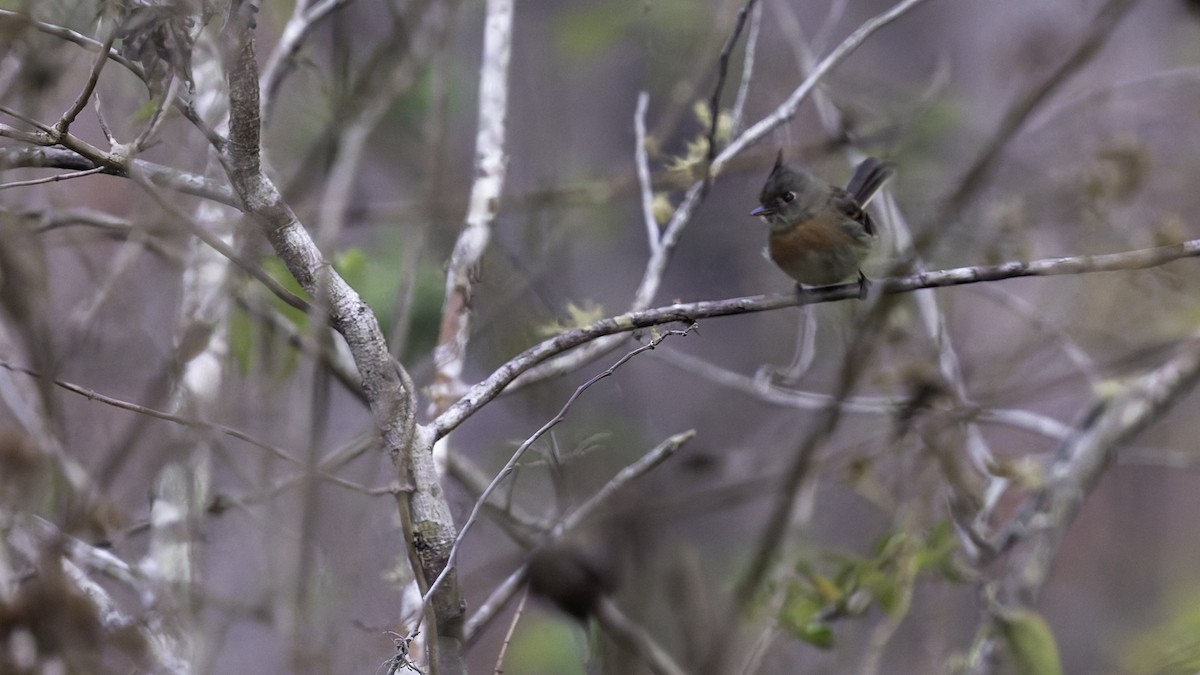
(820, 233)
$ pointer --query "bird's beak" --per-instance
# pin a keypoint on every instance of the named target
(762, 211)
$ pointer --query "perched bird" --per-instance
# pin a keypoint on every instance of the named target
(820, 233)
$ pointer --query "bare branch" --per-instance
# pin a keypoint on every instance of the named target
(495, 383)
(490, 167)
(157, 414)
(636, 639)
(504, 592)
(520, 451)
(739, 102)
(714, 103)
(643, 171)
(871, 405)
(52, 179)
(1014, 118)
(305, 17)
(63, 158)
(81, 101)
(1110, 422)
(788, 108)
(200, 232)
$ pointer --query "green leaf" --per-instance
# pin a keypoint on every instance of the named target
(1030, 641)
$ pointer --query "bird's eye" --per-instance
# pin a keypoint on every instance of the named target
(788, 197)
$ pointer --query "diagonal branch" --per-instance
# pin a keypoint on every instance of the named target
(1102, 27)
(511, 464)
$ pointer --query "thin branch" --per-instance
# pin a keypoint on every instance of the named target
(714, 103)
(1080, 462)
(52, 179)
(157, 117)
(504, 592)
(642, 161)
(1111, 421)
(197, 230)
(18, 115)
(636, 639)
(157, 414)
(871, 405)
(184, 107)
(304, 18)
(743, 92)
(1015, 117)
(81, 101)
(512, 628)
(63, 158)
(520, 451)
(690, 312)
(788, 108)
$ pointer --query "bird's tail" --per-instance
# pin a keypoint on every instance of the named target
(868, 177)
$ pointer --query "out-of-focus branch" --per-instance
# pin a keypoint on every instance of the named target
(870, 405)
(490, 167)
(503, 593)
(743, 92)
(81, 101)
(511, 464)
(157, 414)
(788, 108)
(305, 16)
(642, 161)
(689, 312)
(1112, 421)
(394, 67)
(1102, 27)
(636, 639)
(714, 103)
(183, 106)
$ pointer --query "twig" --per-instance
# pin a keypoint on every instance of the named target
(157, 414)
(89, 44)
(63, 158)
(18, 115)
(200, 232)
(495, 383)
(520, 451)
(305, 17)
(512, 628)
(504, 592)
(636, 639)
(89, 86)
(788, 108)
(52, 179)
(1080, 462)
(714, 103)
(642, 161)
(1014, 118)
(743, 92)
(871, 405)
